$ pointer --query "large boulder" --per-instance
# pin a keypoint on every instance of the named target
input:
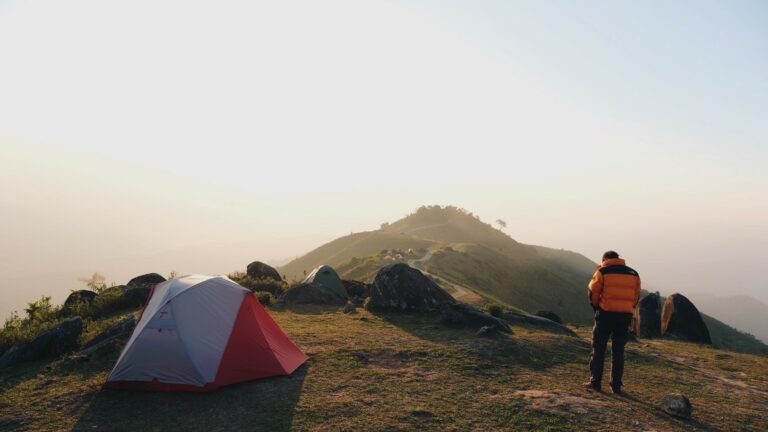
(149, 280)
(79, 296)
(356, 289)
(259, 270)
(400, 287)
(646, 322)
(57, 341)
(464, 315)
(136, 295)
(681, 320)
(541, 323)
(311, 293)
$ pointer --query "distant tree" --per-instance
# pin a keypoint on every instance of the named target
(173, 274)
(501, 224)
(95, 283)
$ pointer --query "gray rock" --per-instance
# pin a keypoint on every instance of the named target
(549, 315)
(538, 322)
(402, 288)
(259, 270)
(356, 289)
(149, 280)
(464, 315)
(350, 308)
(646, 320)
(681, 320)
(487, 331)
(121, 330)
(311, 293)
(53, 343)
(676, 405)
(79, 296)
(136, 295)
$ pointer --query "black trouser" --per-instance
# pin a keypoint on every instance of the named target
(616, 326)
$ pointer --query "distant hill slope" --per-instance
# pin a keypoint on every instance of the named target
(727, 337)
(743, 312)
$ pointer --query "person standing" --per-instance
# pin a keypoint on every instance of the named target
(613, 293)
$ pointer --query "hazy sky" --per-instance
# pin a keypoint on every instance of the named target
(140, 136)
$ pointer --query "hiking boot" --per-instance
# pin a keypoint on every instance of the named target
(589, 385)
(616, 390)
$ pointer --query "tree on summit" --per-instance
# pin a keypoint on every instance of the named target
(501, 224)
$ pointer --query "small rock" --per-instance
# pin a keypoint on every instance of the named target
(349, 308)
(487, 331)
(676, 405)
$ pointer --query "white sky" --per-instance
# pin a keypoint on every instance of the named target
(141, 136)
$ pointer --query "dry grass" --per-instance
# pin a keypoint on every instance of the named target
(401, 372)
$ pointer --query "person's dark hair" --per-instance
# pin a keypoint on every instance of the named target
(610, 255)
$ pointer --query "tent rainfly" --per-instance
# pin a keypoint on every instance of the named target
(326, 276)
(198, 333)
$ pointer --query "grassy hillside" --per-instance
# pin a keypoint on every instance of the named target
(523, 283)
(403, 372)
(345, 248)
(489, 261)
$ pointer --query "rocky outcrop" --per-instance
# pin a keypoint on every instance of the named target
(464, 315)
(259, 270)
(646, 321)
(526, 320)
(311, 293)
(677, 405)
(149, 280)
(121, 330)
(402, 288)
(53, 343)
(79, 296)
(356, 289)
(549, 315)
(681, 320)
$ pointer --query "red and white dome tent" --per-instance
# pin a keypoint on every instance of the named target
(198, 333)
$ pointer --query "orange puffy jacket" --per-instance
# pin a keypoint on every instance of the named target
(614, 287)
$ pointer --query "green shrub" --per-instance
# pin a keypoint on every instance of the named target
(110, 301)
(265, 298)
(494, 309)
(264, 284)
(41, 317)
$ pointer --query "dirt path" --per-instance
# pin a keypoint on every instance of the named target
(457, 291)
